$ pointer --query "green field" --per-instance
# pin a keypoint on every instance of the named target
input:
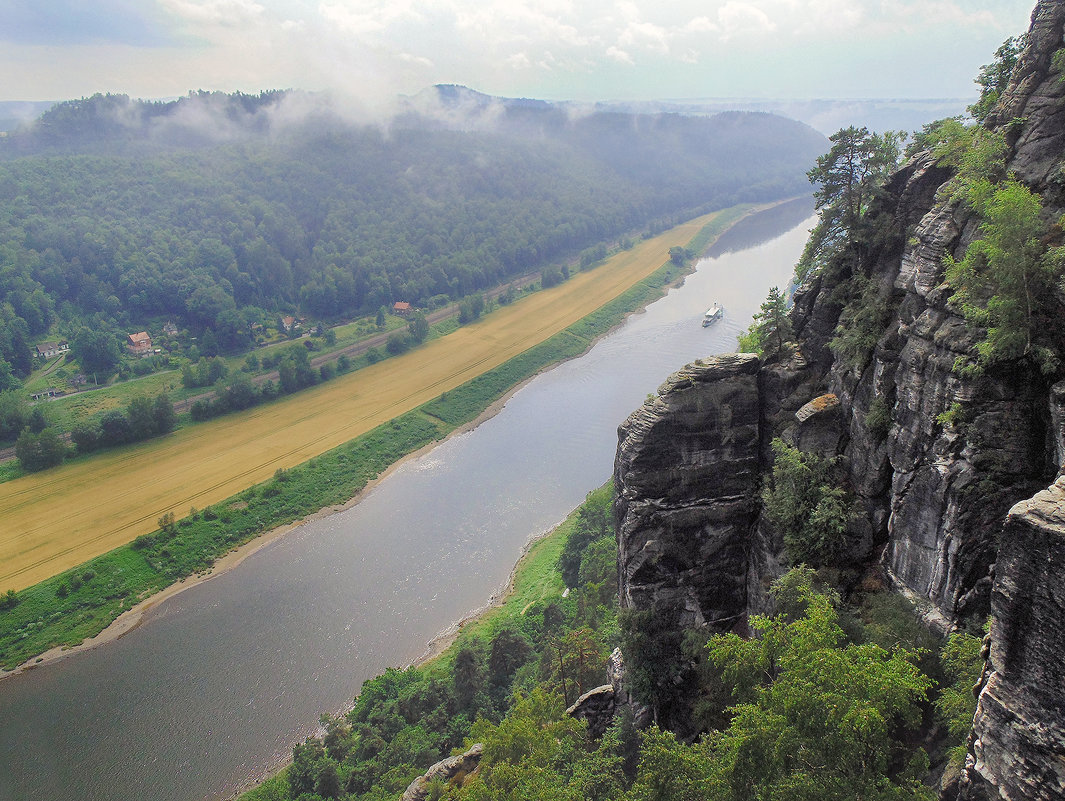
(63, 609)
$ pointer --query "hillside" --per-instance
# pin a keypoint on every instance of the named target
(222, 211)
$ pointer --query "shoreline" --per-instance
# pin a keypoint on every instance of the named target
(134, 617)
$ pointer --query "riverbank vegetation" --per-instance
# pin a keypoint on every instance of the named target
(43, 616)
(824, 700)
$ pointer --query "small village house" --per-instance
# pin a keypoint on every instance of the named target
(46, 350)
(401, 307)
(139, 344)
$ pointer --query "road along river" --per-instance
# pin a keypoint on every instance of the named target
(221, 680)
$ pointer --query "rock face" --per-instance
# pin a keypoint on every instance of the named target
(596, 707)
(687, 473)
(936, 458)
(1017, 748)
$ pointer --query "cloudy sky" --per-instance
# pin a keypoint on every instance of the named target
(552, 49)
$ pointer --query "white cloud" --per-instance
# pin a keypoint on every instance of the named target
(701, 25)
(519, 61)
(559, 48)
(368, 17)
(509, 21)
(645, 35)
(737, 17)
(214, 12)
(420, 61)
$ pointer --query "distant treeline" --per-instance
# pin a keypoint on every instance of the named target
(100, 230)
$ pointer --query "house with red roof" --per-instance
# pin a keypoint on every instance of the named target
(139, 344)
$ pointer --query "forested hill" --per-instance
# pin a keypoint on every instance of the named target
(220, 211)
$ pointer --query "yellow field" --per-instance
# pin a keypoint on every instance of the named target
(59, 518)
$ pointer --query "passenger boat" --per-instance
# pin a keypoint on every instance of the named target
(713, 314)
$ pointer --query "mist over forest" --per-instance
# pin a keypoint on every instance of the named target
(222, 210)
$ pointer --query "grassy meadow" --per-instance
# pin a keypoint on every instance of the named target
(64, 523)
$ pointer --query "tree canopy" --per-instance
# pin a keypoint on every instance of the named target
(848, 179)
(993, 78)
(1005, 283)
(816, 718)
(771, 328)
(122, 218)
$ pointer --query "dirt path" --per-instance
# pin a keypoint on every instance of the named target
(60, 518)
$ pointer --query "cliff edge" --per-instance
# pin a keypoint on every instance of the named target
(948, 468)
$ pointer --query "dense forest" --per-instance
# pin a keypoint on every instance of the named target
(221, 211)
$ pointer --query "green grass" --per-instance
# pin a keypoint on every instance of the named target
(702, 240)
(44, 618)
(444, 327)
(69, 410)
(10, 470)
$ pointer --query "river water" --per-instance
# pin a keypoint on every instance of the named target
(220, 681)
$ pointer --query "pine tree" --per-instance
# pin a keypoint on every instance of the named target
(771, 329)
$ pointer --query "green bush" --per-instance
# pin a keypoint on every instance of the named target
(802, 500)
(860, 324)
(878, 419)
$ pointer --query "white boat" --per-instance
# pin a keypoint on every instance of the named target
(713, 314)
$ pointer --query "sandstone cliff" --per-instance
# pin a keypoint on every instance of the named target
(934, 487)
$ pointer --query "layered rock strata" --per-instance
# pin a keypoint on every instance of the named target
(936, 457)
(687, 474)
(1017, 748)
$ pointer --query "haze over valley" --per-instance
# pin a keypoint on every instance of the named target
(508, 400)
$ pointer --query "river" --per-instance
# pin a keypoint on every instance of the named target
(220, 681)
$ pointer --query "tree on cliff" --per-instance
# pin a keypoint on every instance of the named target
(1006, 281)
(816, 718)
(771, 328)
(849, 177)
(995, 77)
(804, 502)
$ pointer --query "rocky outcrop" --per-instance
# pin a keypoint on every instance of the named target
(1017, 748)
(596, 707)
(687, 473)
(454, 768)
(1034, 99)
(936, 457)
